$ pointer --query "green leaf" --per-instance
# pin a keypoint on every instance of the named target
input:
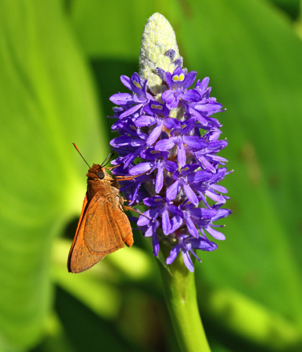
(47, 102)
(113, 29)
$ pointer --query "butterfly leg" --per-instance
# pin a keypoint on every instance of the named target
(136, 211)
(128, 201)
(112, 167)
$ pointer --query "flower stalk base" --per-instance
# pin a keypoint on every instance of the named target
(180, 296)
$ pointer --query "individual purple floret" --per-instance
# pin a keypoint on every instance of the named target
(186, 244)
(170, 141)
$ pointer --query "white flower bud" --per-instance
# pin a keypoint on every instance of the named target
(158, 37)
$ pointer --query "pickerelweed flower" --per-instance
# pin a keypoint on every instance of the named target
(167, 136)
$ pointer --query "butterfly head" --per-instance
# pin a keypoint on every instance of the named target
(98, 172)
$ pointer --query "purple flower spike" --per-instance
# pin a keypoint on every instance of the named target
(169, 139)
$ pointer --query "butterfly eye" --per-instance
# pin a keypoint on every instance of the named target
(101, 174)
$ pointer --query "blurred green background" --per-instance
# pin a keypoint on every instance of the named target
(60, 61)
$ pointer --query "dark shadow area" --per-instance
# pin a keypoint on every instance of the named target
(107, 73)
(85, 330)
(70, 228)
(291, 8)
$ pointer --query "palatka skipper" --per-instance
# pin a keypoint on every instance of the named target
(103, 227)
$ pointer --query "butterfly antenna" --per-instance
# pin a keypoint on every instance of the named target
(80, 154)
(110, 156)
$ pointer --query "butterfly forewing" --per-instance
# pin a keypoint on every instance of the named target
(106, 235)
(80, 258)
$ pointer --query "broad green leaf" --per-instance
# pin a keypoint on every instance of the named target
(113, 29)
(47, 102)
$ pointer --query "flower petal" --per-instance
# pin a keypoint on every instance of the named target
(122, 140)
(140, 168)
(209, 108)
(181, 154)
(173, 254)
(190, 194)
(165, 144)
(219, 188)
(173, 190)
(166, 222)
(154, 134)
(126, 81)
(145, 120)
(205, 163)
(187, 260)
(143, 220)
(190, 78)
(131, 110)
(200, 176)
(168, 96)
(202, 85)
(216, 234)
(159, 181)
(222, 213)
(190, 95)
(218, 198)
(121, 98)
(198, 116)
(175, 223)
(191, 226)
(203, 244)
(195, 142)
(155, 244)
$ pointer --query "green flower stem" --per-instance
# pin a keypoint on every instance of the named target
(180, 296)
